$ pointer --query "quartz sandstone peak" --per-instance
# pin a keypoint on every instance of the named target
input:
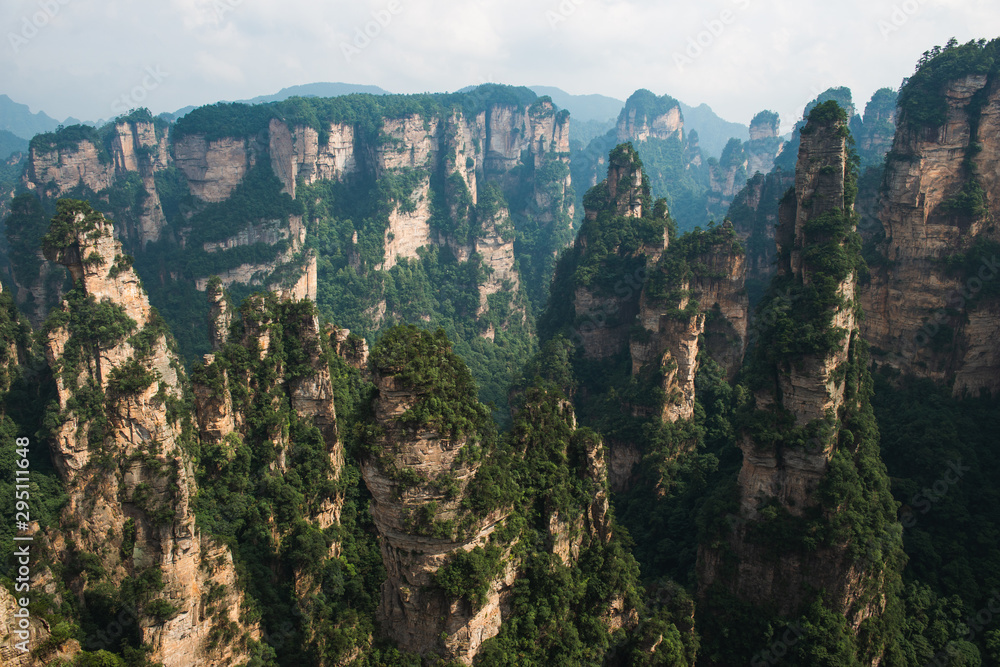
(804, 399)
(131, 471)
(927, 314)
(418, 475)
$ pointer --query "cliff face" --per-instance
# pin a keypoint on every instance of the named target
(931, 305)
(219, 193)
(764, 144)
(727, 175)
(461, 518)
(128, 475)
(879, 127)
(630, 294)
(754, 214)
(637, 123)
(418, 479)
(273, 326)
(806, 398)
(469, 154)
(604, 308)
(135, 148)
(696, 289)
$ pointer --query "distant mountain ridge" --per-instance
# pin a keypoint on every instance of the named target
(713, 131)
(18, 120)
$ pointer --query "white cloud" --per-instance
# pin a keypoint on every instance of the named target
(753, 54)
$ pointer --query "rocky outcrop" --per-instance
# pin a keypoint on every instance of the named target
(418, 477)
(878, 127)
(135, 147)
(408, 230)
(59, 170)
(806, 398)
(352, 349)
(764, 144)
(603, 313)
(213, 168)
(307, 385)
(726, 177)
(693, 301)
(130, 471)
(754, 214)
(298, 152)
(647, 116)
(931, 305)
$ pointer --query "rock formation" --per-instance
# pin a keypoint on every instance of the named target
(764, 144)
(418, 475)
(123, 458)
(647, 116)
(811, 412)
(727, 175)
(931, 305)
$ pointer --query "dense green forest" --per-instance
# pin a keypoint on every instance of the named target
(603, 568)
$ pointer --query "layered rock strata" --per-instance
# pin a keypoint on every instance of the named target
(931, 306)
(131, 473)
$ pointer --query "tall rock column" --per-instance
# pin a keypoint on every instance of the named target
(813, 494)
(425, 446)
(123, 456)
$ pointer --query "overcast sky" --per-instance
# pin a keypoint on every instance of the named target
(94, 58)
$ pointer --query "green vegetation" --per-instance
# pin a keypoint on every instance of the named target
(67, 139)
(25, 227)
(469, 574)
(245, 500)
(922, 97)
(257, 198)
(425, 363)
(26, 388)
(73, 218)
(365, 111)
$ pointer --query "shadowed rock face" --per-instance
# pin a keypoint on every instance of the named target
(804, 397)
(131, 468)
(924, 317)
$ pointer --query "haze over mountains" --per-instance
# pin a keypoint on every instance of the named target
(593, 114)
(416, 380)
